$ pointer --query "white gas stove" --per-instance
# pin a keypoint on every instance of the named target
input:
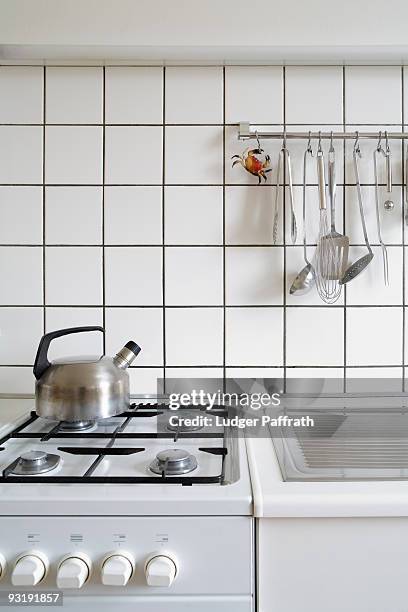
(129, 513)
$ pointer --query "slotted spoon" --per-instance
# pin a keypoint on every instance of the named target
(328, 288)
(340, 243)
(358, 266)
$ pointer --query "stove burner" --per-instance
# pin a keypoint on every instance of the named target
(181, 464)
(36, 462)
(75, 426)
(173, 462)
(178, 422)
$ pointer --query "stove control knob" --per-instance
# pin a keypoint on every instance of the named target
(160, 570)
(29, 569)
(117, 569)
(2, 566)
(73, 571)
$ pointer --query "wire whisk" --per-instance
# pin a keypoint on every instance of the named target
(328, 258)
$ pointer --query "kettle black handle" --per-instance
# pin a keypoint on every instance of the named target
(41, 360)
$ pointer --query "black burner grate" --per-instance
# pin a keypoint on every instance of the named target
(135, 411)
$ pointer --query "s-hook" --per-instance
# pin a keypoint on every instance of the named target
(284, 156)
(380, 151)
(388, 204)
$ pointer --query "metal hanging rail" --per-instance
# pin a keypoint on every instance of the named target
(248, 131)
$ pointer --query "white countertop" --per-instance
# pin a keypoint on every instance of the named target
(273, 497)
(12, 410)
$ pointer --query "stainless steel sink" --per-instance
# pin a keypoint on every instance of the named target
(349, 442)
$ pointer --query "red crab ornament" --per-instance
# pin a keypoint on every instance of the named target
(253, 164)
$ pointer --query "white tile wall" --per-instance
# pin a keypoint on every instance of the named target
(21, 276)
(193, 155)
(133, 155)
(133, 95)
(73, 155)
(194, 336)
(73, 276)
(133, 215)
(249, 215)
(197, 373)
(144, 380)
(314, 336)
(14, 379)
(194, 215)
(21, 215)
(74, 95)
(374, 336)
(73, 215)
(254, 93)
(133, 276)
(21, 99)
(21, 150)
(314, 94)
(194, 276)
(254, 336)
(373, 94)
(20, 329)
(253, 276)
(194, 95)
(122, 209)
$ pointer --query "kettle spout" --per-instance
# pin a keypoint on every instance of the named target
(126, 355)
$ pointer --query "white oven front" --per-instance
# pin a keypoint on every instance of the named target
(201, 563)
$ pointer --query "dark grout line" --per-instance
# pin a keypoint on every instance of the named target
(178, 185)
(164, 338)
(200, 125)
(103, 209)
(160, 64)
(231, 245)
(241, 366)
(44, 237)
(203, 306)
(284, 287)
(403, 213)
(344, 230)
(224, 277)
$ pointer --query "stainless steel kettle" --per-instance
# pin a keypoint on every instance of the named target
(82, 389)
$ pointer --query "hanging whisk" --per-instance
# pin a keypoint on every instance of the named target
(327, 261)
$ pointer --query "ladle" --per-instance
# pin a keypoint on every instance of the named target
(306, 279)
